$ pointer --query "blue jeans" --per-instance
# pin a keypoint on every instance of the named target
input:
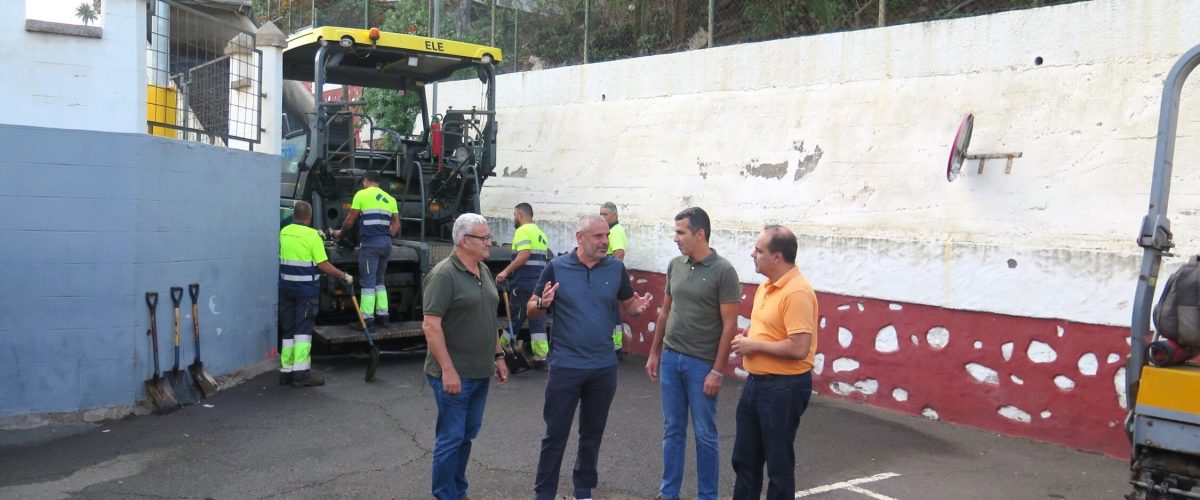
(767, 416)
(681, 378)
(592, 391)
(458, 421)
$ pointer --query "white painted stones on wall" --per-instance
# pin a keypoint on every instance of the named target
(1045, 414)
(895, 307)
(1016, 380)
(1061, 331)
(1113, 358)
(938, 337)
(845, 337)
(978, 344)
(818, 363)
(844, 365)
(843, 307)
(983, 374)
(900, 395)
(1119, 384)
(929, 413)
(1063, 382)
(914, 339)
(1006, 350)
(866, 386)
(1041, 352)
(1013, 413)
(1088, 364)
(886, 341)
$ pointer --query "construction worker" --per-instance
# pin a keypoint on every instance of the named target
(531, 252)
(617, 241)
(301, 255)
(380, 223)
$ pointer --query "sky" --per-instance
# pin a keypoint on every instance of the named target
(59, 11)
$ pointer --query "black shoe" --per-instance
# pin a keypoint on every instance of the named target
(358, 327)
(311, 381)
(285, 378)
(381, 321)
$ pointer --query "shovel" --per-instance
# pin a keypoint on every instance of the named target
(178, 379)
(373, 363)
(161, 394)
(207, 384)
(516, 364)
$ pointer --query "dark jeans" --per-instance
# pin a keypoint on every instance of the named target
(767, 416)
(592, 391)
(459, 418)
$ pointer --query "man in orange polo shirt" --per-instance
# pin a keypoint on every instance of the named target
(778, 351)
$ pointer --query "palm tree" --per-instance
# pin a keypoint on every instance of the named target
(85, 13)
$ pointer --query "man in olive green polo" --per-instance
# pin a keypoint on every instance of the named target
(690, 349)
(459, 303)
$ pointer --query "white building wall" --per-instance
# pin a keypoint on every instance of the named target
(845, 137)
(74, 82)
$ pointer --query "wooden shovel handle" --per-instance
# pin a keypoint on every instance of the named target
(176, 298)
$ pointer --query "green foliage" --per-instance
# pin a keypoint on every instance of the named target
(86, 13)
(391, 110)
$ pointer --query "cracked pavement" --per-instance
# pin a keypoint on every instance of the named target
(350, 439)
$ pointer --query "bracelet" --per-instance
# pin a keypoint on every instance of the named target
(717, 373)
(499, 356)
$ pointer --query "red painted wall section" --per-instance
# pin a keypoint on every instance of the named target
(1057, 382)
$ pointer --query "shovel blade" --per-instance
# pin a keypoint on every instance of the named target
(207, 384)
(184, 393)
(161, 396)
(372, 364)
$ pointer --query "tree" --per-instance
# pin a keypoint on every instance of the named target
(85, 13)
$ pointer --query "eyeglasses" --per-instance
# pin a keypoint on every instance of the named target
(486, 237)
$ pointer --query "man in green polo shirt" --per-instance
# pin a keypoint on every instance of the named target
(459, 304)
(689, 351)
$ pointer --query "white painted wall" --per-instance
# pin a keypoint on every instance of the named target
(876, 216)
(72, 82)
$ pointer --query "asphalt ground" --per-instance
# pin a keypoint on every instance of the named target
(351, 439)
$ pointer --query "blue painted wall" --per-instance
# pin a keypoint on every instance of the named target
(89, 222)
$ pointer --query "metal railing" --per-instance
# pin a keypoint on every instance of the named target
(204, 78)
(536, 34)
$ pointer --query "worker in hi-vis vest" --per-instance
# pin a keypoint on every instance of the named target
(380, 222)
(617, 241)
(301, 256)
(531, 252)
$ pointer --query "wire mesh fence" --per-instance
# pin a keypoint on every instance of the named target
(537, 34)
(204, 78)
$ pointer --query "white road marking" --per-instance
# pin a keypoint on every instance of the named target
(869, 493)
(851, 485)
